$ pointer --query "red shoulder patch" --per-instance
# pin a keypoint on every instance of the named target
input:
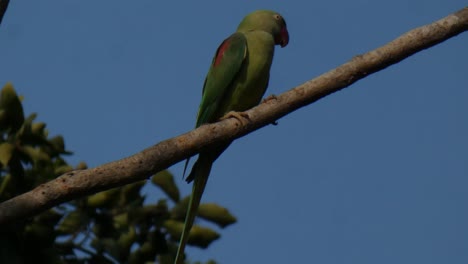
(220, 52)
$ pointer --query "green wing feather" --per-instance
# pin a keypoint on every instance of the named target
(225, 68)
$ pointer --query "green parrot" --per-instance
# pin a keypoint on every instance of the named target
(236, 81)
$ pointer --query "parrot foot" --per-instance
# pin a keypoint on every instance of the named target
(269, 98)
(241, 116)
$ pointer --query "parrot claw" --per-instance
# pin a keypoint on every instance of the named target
(269, 98)
(241, 116)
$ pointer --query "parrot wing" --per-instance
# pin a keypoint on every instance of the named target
(225, 67)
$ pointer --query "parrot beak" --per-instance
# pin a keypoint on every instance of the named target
(283, 38)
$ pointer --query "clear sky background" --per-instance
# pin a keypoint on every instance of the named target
(376, 173)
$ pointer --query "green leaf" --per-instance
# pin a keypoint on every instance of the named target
(158, 212)
(165, 180)
(130, 194)
(13, 116)
(146, 252)
(216, 214)
(6, 152)
(6, 180)
(121, 220)
(126, 240)
(71, 223)
(103, 199)
(59, 144)
(26, 129)
(59, 170)
(35, 154)
(38, 128)
(180, 209)
(202, 236)
(199, 236)
(110, 245)
(174, 228)
(143, 254)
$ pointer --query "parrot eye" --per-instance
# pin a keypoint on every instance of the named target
(277, 17)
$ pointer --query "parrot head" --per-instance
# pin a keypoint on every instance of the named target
(268, 21)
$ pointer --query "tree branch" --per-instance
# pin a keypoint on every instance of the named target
(3, 8)
(140, 166)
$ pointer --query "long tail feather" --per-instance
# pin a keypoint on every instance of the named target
(185, 167)
(200, 172)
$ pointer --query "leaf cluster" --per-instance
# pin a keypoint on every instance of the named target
(113, 226)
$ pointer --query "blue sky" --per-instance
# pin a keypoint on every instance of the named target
(376, 173)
